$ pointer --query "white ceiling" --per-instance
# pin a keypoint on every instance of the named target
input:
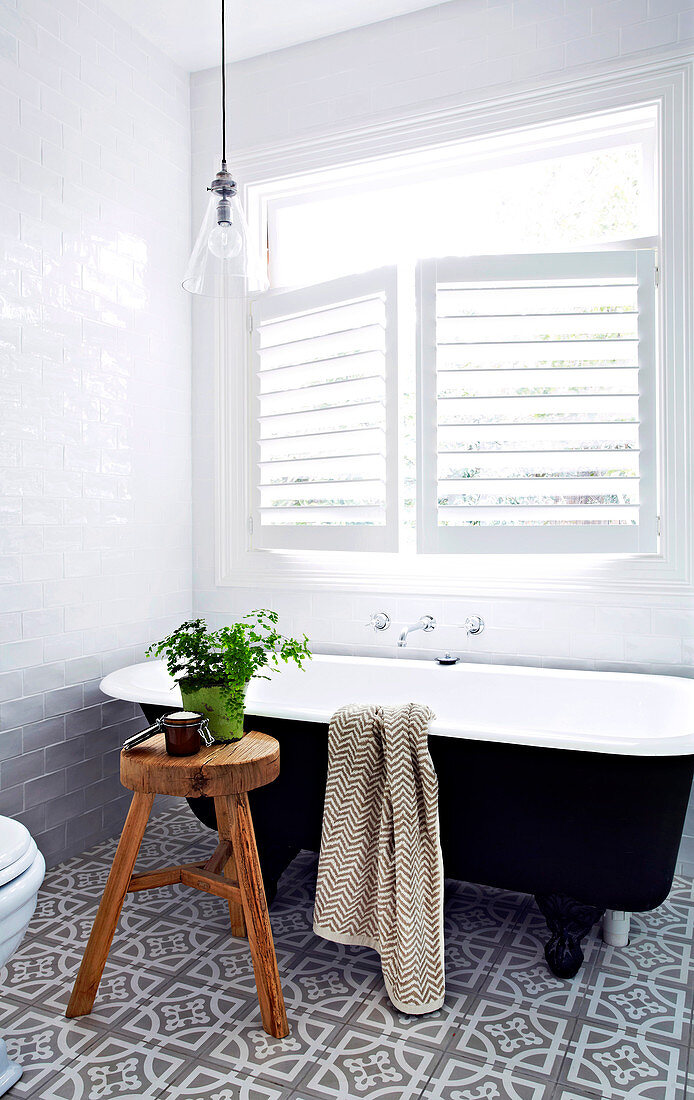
(188, 30)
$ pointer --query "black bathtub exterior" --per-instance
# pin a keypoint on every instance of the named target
(598, 830)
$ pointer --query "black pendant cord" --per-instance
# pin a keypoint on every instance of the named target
(224, 97)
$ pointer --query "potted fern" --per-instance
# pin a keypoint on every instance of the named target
(214, 667)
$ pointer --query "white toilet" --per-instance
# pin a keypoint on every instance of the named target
(22, 868)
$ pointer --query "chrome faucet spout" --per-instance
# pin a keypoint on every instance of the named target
(425, 623)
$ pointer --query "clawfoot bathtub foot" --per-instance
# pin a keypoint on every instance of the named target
(569, 922)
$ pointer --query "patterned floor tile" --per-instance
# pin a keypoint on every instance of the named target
(649, 956)
(83, 879)
(342, 954)
(298, 891)
(174, 963)
(207, 1083)
(121, 990)
(673, 920)
(522, 1039)
(613, 1065)
(563, 1093)
(42, 1043)
(229, 966)
(478, 917)
(168, 947)
(363, 1064)
(433, 1029)
(40, 974)
(246, 1047)
(457, 1079)
(160, 851)
(467, 964)
(114, 1068)
(193, 908)
(74, 933)
(525, 979)
(317, 987)
(292, 925)
(162, 902)
(682, 889)
(183, 827)
(187, 1017)
(646, 1007)
(53, 910)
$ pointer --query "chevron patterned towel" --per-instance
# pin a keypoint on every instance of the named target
(380, 875)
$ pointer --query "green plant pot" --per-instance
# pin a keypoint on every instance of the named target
(225, 724)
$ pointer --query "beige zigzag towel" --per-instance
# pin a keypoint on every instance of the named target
(380, 875)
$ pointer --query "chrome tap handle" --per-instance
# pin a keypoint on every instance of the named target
(379, 620)
(474, 624)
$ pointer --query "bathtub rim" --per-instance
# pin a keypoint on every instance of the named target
(116, 685)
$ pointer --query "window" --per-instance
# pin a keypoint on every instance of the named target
(449, 402)
(578, 184)
(535, 423)
(537, 384)
(325, 431)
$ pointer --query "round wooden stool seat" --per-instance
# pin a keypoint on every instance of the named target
(218, 769)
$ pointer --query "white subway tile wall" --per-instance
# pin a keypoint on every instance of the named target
(95, 483)
(460, 51)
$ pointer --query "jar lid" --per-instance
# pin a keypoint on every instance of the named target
(183, 718)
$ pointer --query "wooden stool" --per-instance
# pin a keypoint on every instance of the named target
(226, 772)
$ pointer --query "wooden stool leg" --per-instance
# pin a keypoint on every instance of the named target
(96, 952)
(223, 862)
(238, 921)
(236, 824)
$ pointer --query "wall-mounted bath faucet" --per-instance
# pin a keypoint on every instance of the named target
(380, 620)
(427, 623)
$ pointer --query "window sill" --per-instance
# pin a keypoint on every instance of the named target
(549, 576)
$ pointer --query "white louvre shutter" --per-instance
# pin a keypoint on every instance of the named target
(537, 403)
(325, 416)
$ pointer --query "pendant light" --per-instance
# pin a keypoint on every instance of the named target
(222, 265)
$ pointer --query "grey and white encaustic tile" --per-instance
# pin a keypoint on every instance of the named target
(364, 1064)
(611, 1065)
(526, 1040)
(176, 1016)
(115, 1067)
(455, 1078)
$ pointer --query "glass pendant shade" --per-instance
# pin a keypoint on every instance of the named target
(221, 264)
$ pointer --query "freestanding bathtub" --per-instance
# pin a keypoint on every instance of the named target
(572, 786)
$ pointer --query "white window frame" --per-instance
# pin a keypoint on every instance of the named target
(526, 267)
(670, 572)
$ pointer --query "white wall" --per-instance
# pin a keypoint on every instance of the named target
(460, 51)
(95, 542)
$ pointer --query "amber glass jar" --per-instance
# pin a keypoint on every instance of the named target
(182, 732)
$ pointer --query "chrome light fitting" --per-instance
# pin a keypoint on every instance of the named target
(222, 264)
